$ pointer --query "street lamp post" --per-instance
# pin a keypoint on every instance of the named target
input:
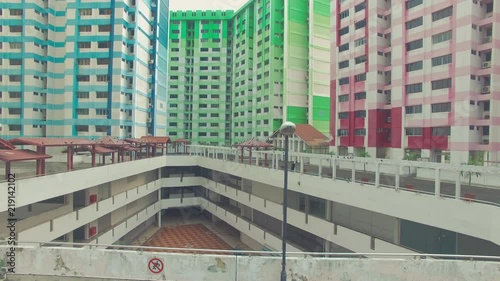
(287, 129)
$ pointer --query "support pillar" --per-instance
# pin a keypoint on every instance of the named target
(130, 154)
(320, 167)
(43, 161)
(301, 164)
(377, 174)
(7, 170)
(437, 186)
(241, 160)
(147, 150)
(265, 160)
(458, 187)
(39, 162)
(334, 168)
(396, 177)
(69, 158)
(113, 157)
(103, 158)
(159, 219)
(353, 172)
(122, 152)
(250, 160)
(93, 155)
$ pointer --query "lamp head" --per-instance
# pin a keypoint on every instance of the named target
(287, 128)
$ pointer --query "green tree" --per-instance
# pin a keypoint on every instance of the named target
(411, 155)
(473, 161)
(364, 154)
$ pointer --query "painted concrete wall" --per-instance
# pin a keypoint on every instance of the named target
(112, 264)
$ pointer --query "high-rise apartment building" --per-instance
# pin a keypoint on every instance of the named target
(83, 68)
(415, 79)
(237, 75)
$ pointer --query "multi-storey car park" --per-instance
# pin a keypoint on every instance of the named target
(237, 75)
(83, 68)
(415, 79)
(335, 205)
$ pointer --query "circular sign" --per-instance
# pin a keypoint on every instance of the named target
(155, 265)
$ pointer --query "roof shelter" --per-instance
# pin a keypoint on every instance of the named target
(251, 144)
(178, 143)
(12, 155)
(5, 145)
(42, 143)
(305, 139)
(151, 143)
(112, 145)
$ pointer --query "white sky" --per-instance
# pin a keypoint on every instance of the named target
(206, 4)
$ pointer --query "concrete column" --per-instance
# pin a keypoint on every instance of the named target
(159, 219)
(353, 172)
(437, 189)
(320, 166)
(301, 164)
(377, 174)
(328, 210)
(458, 187)
(256, 158)
(334, 168)
(326, 246)
(69, 237)
(396, 177)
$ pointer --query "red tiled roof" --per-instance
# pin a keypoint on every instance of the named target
(254, 143)
(21, 155)
(130, 148)
(110, 141)
(154, 139)
(50, 141)
(6, 145)
(181, 140)
(311, 135)
(102, 150)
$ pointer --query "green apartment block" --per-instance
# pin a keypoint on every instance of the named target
(238, 75)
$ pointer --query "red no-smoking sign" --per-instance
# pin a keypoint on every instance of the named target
(155, 265)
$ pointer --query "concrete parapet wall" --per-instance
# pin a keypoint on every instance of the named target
(54, 263)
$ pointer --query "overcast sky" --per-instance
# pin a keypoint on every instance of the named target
(206, 4)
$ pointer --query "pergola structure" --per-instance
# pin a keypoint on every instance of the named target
(180, 142)
(42, 143)
(5, 145)
(12, 155)
(112, 145)
(251, 144)
(151, 143)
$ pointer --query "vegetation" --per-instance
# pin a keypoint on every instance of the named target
(364, 154)
(411, 155)
(473, 161)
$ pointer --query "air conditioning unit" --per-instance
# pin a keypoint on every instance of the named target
(486, 116)
(307, 77)
(389, 119)
(148, 120)
(485, 90)
(487, 64)
(150, 106)
(487, 40)
(151, 61)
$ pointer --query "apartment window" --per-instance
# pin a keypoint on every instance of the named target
(414, 109)
(441, 131)
(344, 81)
(343, 47)
(84, 28)
(343, 98)
(103, 61)
(360, 96)
(441, 107)
(418, 65)
(83, 95)
(15, 62)
(82, 111)
(344, 31)
(415, 23)
(215, 59)
(441, 84)
(14, 128)
(204, 49)
(104, 45)
(360, 24)
(360, 59)
(174, 59)
(360, 42)
(15, 78)
(360, 77)
(83, 78)
(414, 88)
(413, 131)
(16, 12)
(359, 7)
(360, 114)
(360, 132)
(442, 37)
(204, 31)
(82, 128)
(84, 45)
(101, 111)
(441, 14)
(344, 64)
(102, 78)
(344, 14)
(85, 12)
(83, 61)
(102, 95)
(413, 3)
(105, 28)
(15, 95)
(104, 12)
(343, 115)
(101, 129)
(442, 60)
(342, 132)
(15, 111)
(15, 45)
